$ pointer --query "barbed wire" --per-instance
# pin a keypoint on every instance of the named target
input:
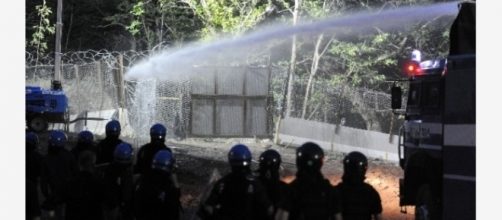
(332, 99)
(83, 57)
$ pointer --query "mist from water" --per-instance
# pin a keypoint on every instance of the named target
(175, 64)
(143, 111)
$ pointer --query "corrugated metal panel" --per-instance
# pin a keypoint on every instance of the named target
(240, 94)
(230, 81)
(257, 81)
(230, 118)
(256, 118)
(202, 117)
(203, 81)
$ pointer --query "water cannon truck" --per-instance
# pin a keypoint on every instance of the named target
(437, 142)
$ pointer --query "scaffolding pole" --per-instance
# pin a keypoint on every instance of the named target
(59, 27)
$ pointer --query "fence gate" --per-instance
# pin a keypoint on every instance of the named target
(230, 102)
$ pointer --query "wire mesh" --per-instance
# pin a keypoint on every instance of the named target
(91, 82)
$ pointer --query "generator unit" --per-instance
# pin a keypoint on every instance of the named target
(44, 106)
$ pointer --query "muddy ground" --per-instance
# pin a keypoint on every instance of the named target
(199, 160)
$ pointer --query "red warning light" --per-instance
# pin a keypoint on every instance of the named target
(412, 68)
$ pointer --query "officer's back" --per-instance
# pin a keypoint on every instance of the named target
(310, 195)
(360, 201)
(119, 184)
(268, 174)
(105, 147)
(238, 195)
(157, 195)
(33, 164)
(84, 193)
(85, 142)
(57, 167)
(147, 152)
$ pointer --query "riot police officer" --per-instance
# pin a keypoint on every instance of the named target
(33, 164)
(146, 152)
(268, 174)
(157, 195)
(106, 147)
(310, 195)
(85, 141)
(119, 184)
(84, 193)
(57, 167)
(238, 195)
(359, 199)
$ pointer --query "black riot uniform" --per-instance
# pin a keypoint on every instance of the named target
(85, 142)
(147, 151)
(145, 156)
(105, 150)
(157, 195)
(310, 195)
(57, 167)
(106, 147)
(33, 164)
(119, 184)
(238, 195)
(360, 201)
(84, 193)
(268, 175)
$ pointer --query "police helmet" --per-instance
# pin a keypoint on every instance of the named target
(239, 156)
(355, 161)
(163, 160)
(32, 138)
(309, 156)
(113, 128)
(57, 138)
(158, 131)
(85, 137)
(123, 153)
(270, 159)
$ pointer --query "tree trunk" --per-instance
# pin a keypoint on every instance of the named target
(313, 71)
(292, 63)
(149, 41)
(161, 34)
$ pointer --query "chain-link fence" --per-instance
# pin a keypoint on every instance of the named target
(336, 103)
(93, 81)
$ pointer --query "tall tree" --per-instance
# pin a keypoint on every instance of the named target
(292, 62)
(316, 11)
(228, 16)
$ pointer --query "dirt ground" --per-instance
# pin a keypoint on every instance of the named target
(200, 160)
